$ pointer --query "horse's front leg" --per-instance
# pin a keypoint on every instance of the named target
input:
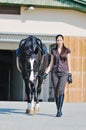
(38, 94)
(27, 90)
(32, 102)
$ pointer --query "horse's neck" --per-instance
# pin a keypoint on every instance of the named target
(39, 55)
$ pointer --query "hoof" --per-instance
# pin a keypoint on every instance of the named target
(30, 112)
(36, 110)
(27, 111)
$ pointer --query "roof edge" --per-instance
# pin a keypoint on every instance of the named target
(78, 5)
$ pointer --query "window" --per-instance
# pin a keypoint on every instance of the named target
(5, 9)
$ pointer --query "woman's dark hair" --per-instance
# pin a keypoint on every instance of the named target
(60, 35)
(63, 53)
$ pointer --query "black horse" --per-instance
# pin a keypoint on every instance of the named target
(32, 60)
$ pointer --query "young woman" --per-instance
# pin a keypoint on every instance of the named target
(61, 71)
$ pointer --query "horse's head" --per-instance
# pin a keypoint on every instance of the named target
(33, 70)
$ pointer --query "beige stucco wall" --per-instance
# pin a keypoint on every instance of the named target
(45, 21)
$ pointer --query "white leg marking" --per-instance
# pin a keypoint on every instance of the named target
(28, 106)
(37, 106)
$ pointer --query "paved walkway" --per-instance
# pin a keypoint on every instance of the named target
(13, 117)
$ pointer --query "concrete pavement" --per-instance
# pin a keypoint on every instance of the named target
(13, 117)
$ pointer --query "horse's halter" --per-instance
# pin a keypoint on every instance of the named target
(34, 67)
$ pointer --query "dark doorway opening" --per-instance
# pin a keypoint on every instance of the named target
(5, 74)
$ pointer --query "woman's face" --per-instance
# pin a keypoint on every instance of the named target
(59, 41)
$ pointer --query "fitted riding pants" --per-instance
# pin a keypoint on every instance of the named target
(59, 80)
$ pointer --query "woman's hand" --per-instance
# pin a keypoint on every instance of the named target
(69, 79)
(44, 75)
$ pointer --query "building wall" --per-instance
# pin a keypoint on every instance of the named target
(45, 21)
(76, 92)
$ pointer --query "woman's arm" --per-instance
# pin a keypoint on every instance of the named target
(50, 65)
(69, 62)
(69, 79)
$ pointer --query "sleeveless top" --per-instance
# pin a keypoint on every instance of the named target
(59, 64)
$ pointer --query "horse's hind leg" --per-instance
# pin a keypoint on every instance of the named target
(36, 110)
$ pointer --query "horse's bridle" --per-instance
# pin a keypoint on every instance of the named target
(39, 68)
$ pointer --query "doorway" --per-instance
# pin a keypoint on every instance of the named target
(5, 74)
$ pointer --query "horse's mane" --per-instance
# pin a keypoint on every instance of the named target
(31, 41)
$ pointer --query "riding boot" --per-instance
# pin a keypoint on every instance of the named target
(60, 104)
(57, 103)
